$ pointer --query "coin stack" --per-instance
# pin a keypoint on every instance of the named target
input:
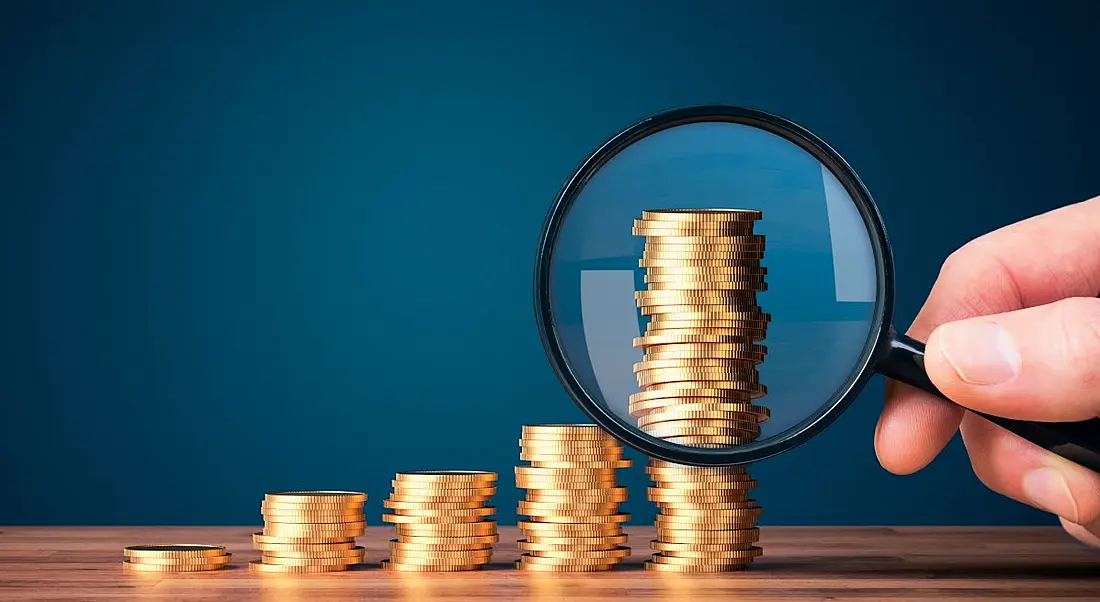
(699, 379)
(175, 558)
(572, 499)
(442, 520)
(310, 531)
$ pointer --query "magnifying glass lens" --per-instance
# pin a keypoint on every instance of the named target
(712, 286)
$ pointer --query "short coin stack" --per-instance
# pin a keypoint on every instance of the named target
(442, 523)
(310, 531)
(175, 558)
(699, 379)
(572, 499)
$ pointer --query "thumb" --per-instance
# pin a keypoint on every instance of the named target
(1040, 363)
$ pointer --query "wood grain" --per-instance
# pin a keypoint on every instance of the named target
(800, 563)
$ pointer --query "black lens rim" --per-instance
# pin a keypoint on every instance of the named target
(795, 436)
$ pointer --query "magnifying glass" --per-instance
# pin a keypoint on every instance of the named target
(714, 286)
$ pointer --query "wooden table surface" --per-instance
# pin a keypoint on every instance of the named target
(799, 563)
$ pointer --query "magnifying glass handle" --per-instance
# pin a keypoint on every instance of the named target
(1076, 441)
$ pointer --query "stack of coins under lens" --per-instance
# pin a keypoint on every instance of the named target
(572, 499)
(442, 523)
(310, 531)
(699, 379)
(175, 558)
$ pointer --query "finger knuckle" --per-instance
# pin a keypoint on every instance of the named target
(1079, 322)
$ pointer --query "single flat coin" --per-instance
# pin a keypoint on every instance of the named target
(430, 547)
(174, 550)
(432, 477)
(744, 555)
(445, 543)
(289, 561)
(416, 568)
(581, 464)
(169, 568)
(396, 505)
(679, 568)
(182, 561)
(577, 519)
(564, 430)
(327, 497)
(258, 565)
(355, 552)
(468, 513)
(557, 568)
(442, 519)
(260, 538)
(703, 215)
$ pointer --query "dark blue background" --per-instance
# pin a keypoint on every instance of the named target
(248, 246)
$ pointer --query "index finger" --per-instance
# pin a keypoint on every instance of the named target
(1034, 262)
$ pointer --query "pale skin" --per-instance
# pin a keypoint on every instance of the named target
(1012, 326)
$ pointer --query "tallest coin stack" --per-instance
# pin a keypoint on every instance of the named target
(699, 379)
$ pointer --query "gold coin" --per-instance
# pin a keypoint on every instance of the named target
(563, 484)
(665, 494)
(757, 390)
(484, 527)
(591, 543)
(744, 420)
(554, 473)
(722, 298)
(684, 396)
(554, 431)
(574, 465)
(743, 277)
(670, 283)
(313, 519)
(687, 568)
(614, 553)
(691, 363)
(711, 271)
(672, 237)
(680, 406)
(528, 558)
(581, 519)
(578, 496)
(748, 536)
(417, 568)
(461, 479)
(394, 505)
(174, 550)
(663, 222)
(169, 568)
(705, 524)
(727, 261)
(741, 556)
(744, 373)
(260, 538)
(311, 531)
(355, 552)
(703, 215)
(287, 561)
(441, 561)
(562, 568)
(743, 335)
(685, 473)
(207, 561)
(316, 497)
(744, 343)
(717, 350)
(557, 448)
(684, 539)
(711, 441)
(527, 507)
(541, 529)
(443, 519)
(708, 486)
(655, 232)
(404, 555)
(447, 546)
(258, 565)
(438, 490)
(735, 255)
(704, 312)
(689, 426)
(433, 497)
(709, 514)
(468, 513)
(446, 543)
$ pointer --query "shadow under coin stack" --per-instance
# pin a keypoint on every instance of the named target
(572, 499)
(699, 379)
(310, 531)
(442, 523)
(175, 558)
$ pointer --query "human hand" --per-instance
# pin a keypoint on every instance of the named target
(1012, 326)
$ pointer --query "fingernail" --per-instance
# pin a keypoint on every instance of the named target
(982, 353)
(1047, 489)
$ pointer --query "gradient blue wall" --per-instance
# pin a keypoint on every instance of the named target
(254, 246)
